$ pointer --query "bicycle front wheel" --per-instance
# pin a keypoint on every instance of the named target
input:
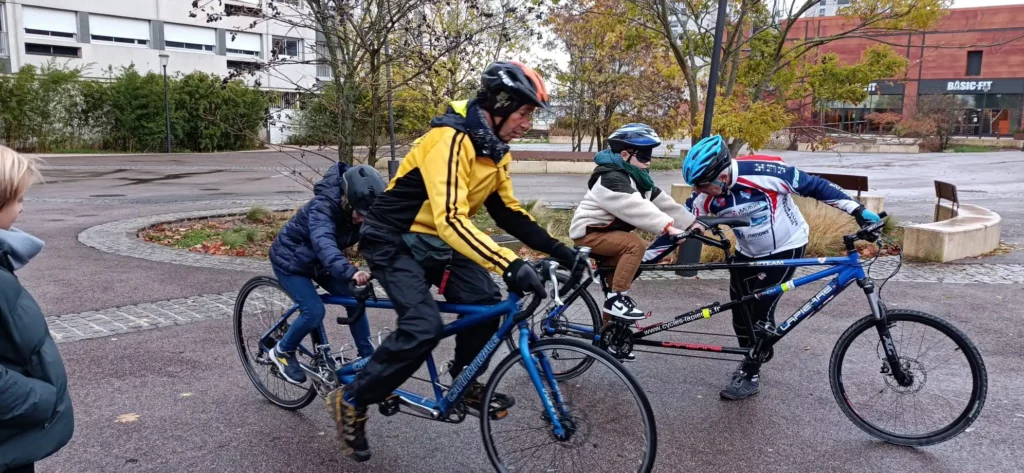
(947, 385)
(608, 418)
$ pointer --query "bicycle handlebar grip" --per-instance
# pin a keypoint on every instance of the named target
(360, 294)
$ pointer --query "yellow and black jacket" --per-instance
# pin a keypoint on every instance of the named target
(451, 171)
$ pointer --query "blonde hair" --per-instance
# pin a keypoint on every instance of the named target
(17, 173)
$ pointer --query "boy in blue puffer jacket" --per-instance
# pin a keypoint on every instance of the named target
(310, 248)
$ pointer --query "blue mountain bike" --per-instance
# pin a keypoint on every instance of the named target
(553, 426)
(903, 376)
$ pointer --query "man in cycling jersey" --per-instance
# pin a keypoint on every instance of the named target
(622, 197)
(408, 238)
(759, 187)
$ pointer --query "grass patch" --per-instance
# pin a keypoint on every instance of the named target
(241, 237)
(81, 151)
(258, 214)
(666, 164)
(193, 237)
(973, 149)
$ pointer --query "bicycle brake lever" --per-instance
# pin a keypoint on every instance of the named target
(552, 266)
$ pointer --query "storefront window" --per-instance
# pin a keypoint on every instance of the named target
(852, 118)
(986, 114)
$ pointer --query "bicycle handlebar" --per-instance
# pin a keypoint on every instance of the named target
(869, 232)
(360, 294)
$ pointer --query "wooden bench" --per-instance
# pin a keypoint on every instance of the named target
(959, 231)
(945, 191)
(846, 181)
(859, 184)
(575, 156)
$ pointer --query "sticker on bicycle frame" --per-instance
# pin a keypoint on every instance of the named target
(786, 286)
(821, 260)
(707, 313)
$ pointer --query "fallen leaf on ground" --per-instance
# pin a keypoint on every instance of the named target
(127, 418)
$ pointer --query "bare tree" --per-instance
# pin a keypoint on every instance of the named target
(357, 41)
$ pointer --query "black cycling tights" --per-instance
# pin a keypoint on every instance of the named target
(746, 281)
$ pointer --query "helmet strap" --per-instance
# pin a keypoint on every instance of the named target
(499, 126)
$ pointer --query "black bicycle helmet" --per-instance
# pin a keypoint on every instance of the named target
(635, 136)
(507, 85)
(362, 185)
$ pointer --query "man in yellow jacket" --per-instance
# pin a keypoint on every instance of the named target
(409, 235)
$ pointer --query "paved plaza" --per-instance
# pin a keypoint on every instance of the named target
(146, 329)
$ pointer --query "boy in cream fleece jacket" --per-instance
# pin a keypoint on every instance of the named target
(622, 197)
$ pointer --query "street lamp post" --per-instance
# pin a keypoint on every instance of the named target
(689, 251)
(392, 163)
(164, 57)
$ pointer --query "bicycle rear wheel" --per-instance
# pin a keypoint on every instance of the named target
(949, 381)
(260, 304)
(605, 410)
(583, 312)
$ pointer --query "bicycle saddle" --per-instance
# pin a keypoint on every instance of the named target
(731, 222)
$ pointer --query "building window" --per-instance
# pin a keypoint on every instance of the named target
(242, 10)
(288, 99)
(287, 47)
(53, 24)
(323, 68)
(974, 63)
(121, 31)
(189, 38)
(51, 50)
(821, 12)
(853, 118)
(245, 44)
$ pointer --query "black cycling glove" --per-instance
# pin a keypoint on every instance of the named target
(522, 278)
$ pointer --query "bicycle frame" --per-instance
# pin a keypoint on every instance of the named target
(443, 401)
(846, 270)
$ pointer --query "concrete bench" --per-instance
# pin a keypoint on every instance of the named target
(959, 231)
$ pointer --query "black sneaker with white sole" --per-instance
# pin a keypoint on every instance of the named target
(618, 304)
(288, 365)
(742, 387)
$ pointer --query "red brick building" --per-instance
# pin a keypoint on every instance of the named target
(976, 54)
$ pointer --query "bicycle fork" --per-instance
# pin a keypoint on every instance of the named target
(892, 358)
(530, 362)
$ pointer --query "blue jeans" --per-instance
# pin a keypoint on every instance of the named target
(312, 310)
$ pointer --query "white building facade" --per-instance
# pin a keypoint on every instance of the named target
(98, 34)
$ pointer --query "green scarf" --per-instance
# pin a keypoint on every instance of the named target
(641, 177)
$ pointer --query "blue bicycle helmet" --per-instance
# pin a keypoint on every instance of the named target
(635, 136)
(706, 160)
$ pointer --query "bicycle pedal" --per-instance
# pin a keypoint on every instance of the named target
(389, 406)
(380, 335)
(339, 356)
